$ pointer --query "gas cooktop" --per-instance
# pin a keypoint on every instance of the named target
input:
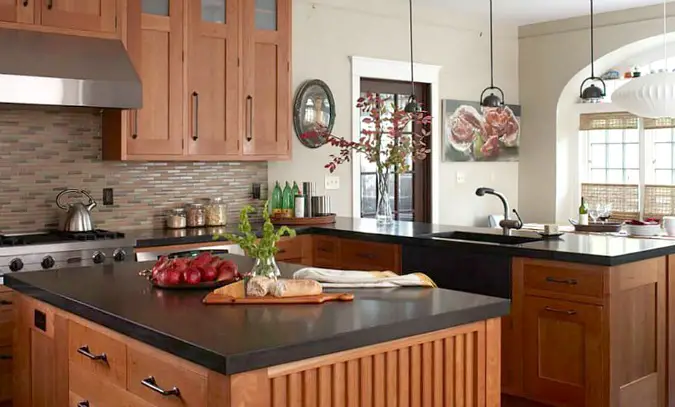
(51, 237)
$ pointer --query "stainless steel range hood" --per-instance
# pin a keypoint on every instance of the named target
(53, 69)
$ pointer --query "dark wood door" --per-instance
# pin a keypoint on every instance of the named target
(563, 362)
(411, 191)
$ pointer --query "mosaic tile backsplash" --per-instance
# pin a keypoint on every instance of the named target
(46, 150)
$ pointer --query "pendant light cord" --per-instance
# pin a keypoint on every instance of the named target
(492, 56)
(412, 64)
(592, 44)
(665, 34)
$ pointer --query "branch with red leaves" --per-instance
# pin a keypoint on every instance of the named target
(384, 139)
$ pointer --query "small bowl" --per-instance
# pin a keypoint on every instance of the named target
(643, 230)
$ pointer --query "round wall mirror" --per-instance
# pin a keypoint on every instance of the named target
(314, 107)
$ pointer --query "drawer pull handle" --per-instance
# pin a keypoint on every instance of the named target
(561, 311)
(84, 403)
(366, 255)
(571, 281)
(84, 350)
(50, 4)
(5, 357)
(324, 250)
(281, 251)
(25, 3)
(5, 302)
(152, 384)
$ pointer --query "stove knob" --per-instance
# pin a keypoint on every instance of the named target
(119, 255)
(15, 265)
(98, 257)
(48, 262)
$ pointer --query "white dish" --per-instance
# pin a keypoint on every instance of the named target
(643, 230)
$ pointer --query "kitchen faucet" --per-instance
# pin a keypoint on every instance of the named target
(507, 224)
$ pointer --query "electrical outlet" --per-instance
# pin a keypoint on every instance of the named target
(332, 182)
(108, 198)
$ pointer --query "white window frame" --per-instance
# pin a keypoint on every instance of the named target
(363, 67)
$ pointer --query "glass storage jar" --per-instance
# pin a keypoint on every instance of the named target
(216, 212)
(176, 219)
(195, 215)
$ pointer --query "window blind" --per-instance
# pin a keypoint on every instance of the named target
(659, 201)
(608, 121)
(623, 197)
(662, 123)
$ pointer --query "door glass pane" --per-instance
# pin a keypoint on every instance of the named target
(213, 11)
(368, 195)
(266, 15)
(157, 7)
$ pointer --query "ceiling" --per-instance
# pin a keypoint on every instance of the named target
(534, 11)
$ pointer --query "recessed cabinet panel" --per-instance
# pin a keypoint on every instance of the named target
(86, 15)
(16, 11)
(214, 11)
(156, 7)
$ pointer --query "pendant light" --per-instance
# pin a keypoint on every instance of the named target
(651, 96)
(412, 106)
(492, 100)
(592, 94)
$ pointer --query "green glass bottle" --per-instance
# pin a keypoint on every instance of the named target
(295, 190)
(287, 202)
(277, 200)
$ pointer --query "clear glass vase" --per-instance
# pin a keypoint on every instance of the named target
(265, 267)
(383, 213)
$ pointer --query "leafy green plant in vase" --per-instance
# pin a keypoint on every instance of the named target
(261, 248)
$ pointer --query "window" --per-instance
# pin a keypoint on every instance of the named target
(630, 163)
(410, 191)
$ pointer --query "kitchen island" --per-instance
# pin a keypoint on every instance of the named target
(103, 336)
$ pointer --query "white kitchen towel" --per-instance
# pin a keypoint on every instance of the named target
(362, 279)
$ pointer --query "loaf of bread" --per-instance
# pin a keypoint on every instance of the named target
(295, 288)
(258, 286)
(234, 290)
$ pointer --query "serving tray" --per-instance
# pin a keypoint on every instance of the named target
(599, 228)
(316, 220)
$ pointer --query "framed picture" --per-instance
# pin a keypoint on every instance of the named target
(314, 107)
(475, 133)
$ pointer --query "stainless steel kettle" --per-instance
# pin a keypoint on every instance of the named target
(78, 216)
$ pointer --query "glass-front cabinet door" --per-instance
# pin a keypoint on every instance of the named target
(267, 93)
(16, 11)
(213, 78)
(157, 128)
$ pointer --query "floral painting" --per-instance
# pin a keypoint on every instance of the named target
(475, 133)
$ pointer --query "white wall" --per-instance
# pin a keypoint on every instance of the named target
(325, 36)
(554, 59)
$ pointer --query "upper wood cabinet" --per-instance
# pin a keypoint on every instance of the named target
(86, 15)
(213, 78)
(17, 11)
(157, 128)
(266, 95)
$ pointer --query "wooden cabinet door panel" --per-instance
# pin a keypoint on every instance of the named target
(213, 78)
(267, 94)
(86, 15)
(17, 11)
(563, 362)
(5, 374)
(157, 128)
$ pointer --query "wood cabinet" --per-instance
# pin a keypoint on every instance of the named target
(587, 336)
(85, 15)
(216, 83)
(17, 11)
(157, 128)
(564, 357)
(6, 333)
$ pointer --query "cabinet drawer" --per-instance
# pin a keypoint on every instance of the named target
(326, 251)
(97, 353)
(86, 389)
(360, 255)
(169, 373)
(565, 279)
(289, 249)
(6, 325)
(5, 373)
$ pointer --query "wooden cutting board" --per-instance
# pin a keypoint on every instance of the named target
(213, 298)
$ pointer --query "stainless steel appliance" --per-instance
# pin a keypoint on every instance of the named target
(320, 205)
(78, 216)
(39, 68)
(225, 248)
(55, 250)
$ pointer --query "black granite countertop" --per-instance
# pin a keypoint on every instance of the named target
(572, 247)
(232, 339)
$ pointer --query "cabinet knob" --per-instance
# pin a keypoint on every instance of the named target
(25, 3)
(50, 4)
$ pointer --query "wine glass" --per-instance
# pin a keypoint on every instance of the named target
(606, 212)
(594, 212)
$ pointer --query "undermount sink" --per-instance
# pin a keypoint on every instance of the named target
(485, 237)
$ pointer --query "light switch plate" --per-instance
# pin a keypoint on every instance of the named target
(461, 177)
(332, 182)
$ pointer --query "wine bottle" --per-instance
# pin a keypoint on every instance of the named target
(583, 212)
(277, 198)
